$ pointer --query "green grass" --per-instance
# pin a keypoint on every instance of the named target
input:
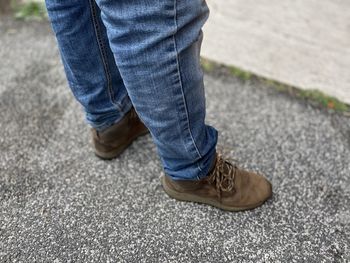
(30, 11)
(208, 66)
(314, 97)
(323, 100)
(239, 73)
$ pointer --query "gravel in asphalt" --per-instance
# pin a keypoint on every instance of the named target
(59, 203)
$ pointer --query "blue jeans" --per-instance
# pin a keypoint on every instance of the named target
(142, 53)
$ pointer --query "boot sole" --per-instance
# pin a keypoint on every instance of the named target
(121, 148)
(197, 199)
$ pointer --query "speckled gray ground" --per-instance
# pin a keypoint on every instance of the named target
(59, 203)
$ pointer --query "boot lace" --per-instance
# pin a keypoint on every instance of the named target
(223, 175)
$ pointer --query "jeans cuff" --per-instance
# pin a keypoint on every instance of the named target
(102, 122)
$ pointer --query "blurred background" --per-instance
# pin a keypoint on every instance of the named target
(305, 43)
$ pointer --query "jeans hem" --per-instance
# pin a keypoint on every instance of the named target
(110, 118)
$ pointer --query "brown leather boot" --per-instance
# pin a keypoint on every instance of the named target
(226, 187)
(111, 142)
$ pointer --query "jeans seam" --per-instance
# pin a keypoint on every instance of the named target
(103, 55)
(181, 86)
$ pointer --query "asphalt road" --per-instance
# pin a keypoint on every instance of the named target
(59, 203)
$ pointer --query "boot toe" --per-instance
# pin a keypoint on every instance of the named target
(263, 189)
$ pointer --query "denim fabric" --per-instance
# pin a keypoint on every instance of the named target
(146, 53)
(88, 61)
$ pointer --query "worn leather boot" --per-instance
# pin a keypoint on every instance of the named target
(111, 142)
(226, 187)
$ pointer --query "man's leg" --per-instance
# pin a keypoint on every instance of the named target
(156, 45)
(88, 61)
(93, 75)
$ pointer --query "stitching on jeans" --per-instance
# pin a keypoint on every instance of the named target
(103, 54)
(181, 86)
